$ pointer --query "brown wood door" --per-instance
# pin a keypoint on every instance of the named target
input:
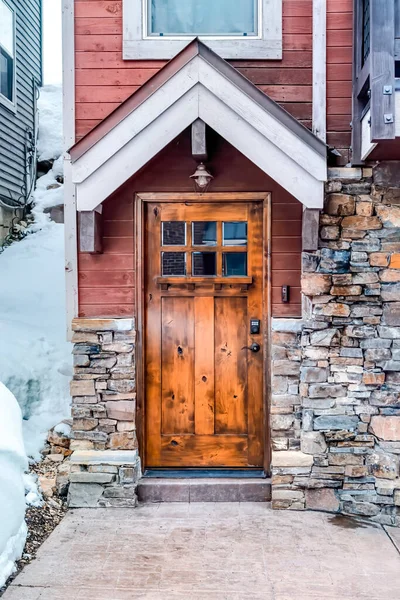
(203, 284)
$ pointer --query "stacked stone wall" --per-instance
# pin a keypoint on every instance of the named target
(103, 410)
(339, 450)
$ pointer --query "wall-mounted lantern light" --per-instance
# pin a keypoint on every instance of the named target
(201, 178)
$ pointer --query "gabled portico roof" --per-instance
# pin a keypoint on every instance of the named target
(197, 83)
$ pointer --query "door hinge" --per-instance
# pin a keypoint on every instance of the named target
(388, 118)
(387, 90)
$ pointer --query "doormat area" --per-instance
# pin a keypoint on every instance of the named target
(204, 473)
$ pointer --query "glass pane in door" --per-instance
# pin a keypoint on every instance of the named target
(234, 264)
(204, 264)
(234, 233)
(174, 233)
(204, 233)
(173, 263)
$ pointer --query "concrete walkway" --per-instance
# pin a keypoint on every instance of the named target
(211, 552)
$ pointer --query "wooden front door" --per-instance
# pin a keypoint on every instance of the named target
(203, 367)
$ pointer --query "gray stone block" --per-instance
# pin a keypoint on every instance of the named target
(334, 261)
(375, 343)
(336, 423)
(390, 292)
(86, 477)
(391, 365)
(313, 374)
(84, 495)
(326, 390)
(363, 509)
(86, 349)
(120, 491)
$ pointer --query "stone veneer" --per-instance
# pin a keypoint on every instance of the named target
(335, 405)
(105, 464)
(335, 386)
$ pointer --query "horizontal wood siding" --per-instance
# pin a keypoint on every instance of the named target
(14, 124)
(107, 281)
(339, 75)
(104, 80)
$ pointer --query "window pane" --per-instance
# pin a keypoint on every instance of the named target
(366, 43)
(6, 29)
(174, 233)
(6, 75)
(203, 17)
(204, 263)
(234, 264)
(173, 263)
(204, 233)
(234, 234)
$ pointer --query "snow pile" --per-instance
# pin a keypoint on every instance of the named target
(35, 359)
(50, 144)
(32, 495)
(13, 463)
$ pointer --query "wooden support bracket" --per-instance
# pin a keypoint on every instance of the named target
(90, 232)
(383, 101)
(199, 142)
(310, 231)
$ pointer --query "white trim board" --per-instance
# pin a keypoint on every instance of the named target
(71, 241)
(68, 60)
(267, 46)
(198, 90)
(319, 69)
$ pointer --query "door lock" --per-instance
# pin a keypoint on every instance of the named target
(254, 347)
(254, 326)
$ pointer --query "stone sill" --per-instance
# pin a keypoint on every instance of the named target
(105, 457)
(287, 324)
(291, 458)
(83, 324)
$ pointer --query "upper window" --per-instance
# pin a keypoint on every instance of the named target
(159, 29)
(202, 17)
(7, 54)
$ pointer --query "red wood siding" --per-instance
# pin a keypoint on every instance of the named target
(339, 75)
(104, 80)
(107, 281)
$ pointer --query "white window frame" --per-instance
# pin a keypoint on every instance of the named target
(137, 44)
(12, 104)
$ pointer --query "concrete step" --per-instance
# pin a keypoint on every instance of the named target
(204, 490)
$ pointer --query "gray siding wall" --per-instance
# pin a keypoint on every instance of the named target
(13, 126)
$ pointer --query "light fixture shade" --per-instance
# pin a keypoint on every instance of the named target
(201, 178)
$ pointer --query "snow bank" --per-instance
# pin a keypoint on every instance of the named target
(13, 463)
(50, 123)
(35, 359)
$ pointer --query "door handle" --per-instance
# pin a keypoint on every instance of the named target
(254, 347)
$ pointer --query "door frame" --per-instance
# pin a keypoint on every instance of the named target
(140, 199)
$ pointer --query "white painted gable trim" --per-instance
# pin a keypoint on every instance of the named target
(198, 90)
(262, 152)
(138, 152)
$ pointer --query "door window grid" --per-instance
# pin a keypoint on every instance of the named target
(204, 249)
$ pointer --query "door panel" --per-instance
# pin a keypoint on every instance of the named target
(177, 365)
(204, 366)
(231, 324)
(203, 384)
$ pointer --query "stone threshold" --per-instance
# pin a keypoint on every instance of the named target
(204, 490)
